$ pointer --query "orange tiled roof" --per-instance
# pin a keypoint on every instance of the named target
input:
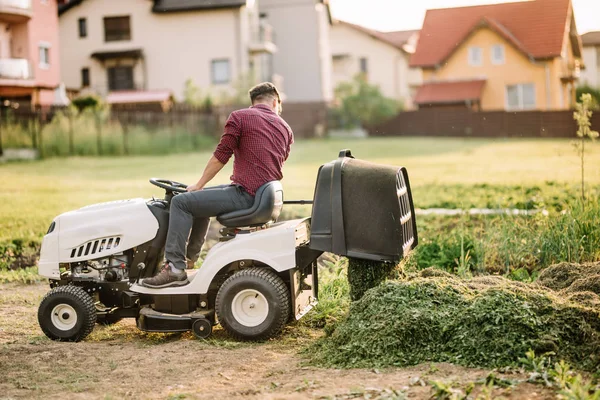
(537, 28)
(449, 92)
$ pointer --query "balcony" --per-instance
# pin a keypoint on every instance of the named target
(15, 11)
(262, 40)
(570, 71)
(16, 69)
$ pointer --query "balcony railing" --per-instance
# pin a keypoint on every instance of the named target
(15, 68)
(570, 71)
(263, 39)
(15, 10)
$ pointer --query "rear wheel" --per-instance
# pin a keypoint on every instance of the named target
(253, 304)
(67, 313)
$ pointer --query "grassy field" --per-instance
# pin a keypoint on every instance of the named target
(443, 172)
(453, 173)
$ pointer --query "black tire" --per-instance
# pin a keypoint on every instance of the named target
(268, 287)
(63, 325)
(202, 328)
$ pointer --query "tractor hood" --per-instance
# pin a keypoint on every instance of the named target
(99, 230)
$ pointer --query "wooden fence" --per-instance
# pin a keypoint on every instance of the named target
(464, 123)
(306, 120)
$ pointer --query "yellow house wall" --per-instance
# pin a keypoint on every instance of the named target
(517, 69)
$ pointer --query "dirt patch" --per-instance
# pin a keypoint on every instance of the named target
(122, 362)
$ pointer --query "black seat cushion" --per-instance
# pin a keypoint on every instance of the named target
(268, 202)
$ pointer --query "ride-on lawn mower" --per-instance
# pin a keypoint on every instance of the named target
(258, 277)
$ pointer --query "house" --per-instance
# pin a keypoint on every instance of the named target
(156, 46)
(303, 59)
(29, 56)
(591, 59)
(510, 56)
(383, 58)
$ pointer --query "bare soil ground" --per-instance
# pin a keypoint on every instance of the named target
(123, 362)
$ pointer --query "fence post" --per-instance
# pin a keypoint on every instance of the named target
(98, 131)
(172, 131)
(71, 132)
(1, 150)
(38, 129)
(125, 125)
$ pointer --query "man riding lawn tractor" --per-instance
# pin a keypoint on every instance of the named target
(104, 260)
(260, 141)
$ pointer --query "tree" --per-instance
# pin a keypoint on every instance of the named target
(594, 92)
(192, 94)
(362, 104)
(583, 113)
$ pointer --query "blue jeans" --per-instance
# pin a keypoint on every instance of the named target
(190, 217)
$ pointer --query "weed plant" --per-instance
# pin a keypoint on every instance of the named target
(515, 246)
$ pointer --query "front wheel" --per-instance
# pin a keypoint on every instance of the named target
(253, 304)
(67, 314)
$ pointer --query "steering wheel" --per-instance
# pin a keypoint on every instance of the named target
(169, 185)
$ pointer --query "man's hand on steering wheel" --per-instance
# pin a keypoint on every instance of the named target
(193, 188)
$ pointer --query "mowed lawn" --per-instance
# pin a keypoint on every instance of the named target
(34, 192)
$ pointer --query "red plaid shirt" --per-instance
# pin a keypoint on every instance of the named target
(260, 140)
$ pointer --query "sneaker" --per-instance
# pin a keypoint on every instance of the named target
(166, 278)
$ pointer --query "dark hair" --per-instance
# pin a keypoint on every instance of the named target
(262, 91)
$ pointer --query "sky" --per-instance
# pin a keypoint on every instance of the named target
(396, 15)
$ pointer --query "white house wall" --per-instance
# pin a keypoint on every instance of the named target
(387, 66)
(591, 73)
(176, 46)
(301, 32)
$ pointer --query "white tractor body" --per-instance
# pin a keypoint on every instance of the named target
(274, 247)
(96, 231)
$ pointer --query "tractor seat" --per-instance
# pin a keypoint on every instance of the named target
(268, 202)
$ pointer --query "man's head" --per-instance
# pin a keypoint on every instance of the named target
(266, 93)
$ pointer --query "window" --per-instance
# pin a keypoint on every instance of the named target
(120, 78)
(82, 27)
(364, 65)
(220, 71)
(498, 54)
(44, 49)
(475, 56)
(116, 28)
(520, 97)
(85, 77)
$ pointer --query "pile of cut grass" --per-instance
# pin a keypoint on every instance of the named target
(577, 282)
(483, 322)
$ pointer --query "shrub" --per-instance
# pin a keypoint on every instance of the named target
(83, 103)
(362, 104)
(594, 92)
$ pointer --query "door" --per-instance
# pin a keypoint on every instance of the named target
(120, 78)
